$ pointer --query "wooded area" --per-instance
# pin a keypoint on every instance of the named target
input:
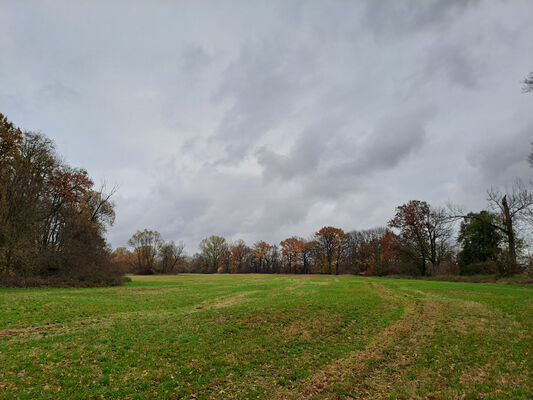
(419, 240)
(52, 218)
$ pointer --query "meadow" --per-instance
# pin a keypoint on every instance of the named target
(268, 337)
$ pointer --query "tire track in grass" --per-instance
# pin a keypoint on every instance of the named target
(419, 319)
(441, 348)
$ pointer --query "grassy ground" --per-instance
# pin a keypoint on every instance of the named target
(264, 336)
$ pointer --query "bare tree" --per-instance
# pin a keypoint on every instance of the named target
(363, 249)
(239, 257)
(101, 207)
(146, 245)
(425, 231)
(528, 88)
(514, 208)
(170, 256)
(308, 255)
(330, 241)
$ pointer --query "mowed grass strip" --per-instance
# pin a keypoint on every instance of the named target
(267, 336)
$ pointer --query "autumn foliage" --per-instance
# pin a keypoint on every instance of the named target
(52, 220)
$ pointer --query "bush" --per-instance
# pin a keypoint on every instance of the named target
(480, 268)
(92, 280)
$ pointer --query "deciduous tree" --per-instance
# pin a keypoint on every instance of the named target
(363, 250)
(146, 245)
(330, 243)
(52, 219)
(291, 250)
(424, 231)
(240, 257)
(170, 257)
(480, 240)
(308, 254)
(262, 253)
(514, 208)
(214, 249)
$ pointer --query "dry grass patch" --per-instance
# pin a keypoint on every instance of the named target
(417, 321)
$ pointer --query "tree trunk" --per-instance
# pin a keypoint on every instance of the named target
(510, 236)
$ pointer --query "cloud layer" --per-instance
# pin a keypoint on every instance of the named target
(261, 120)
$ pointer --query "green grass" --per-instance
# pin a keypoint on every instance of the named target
(268, 336)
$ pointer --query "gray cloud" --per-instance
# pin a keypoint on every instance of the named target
(195, 59)
(57, 91)
(393, 140)
(260, 120)
(304, 157)
(263, 86)
(411, 16)
(501, 160)
(456, 64)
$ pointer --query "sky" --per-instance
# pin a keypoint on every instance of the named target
(262, 120)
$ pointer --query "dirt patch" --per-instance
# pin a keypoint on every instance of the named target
(225, 302)
(293, 287)
(142, 292)
(29, 329)
(230, 301)
(302, 329)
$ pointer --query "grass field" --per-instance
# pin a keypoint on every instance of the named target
(268, 337)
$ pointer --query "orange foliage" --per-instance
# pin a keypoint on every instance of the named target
(70, 184)
(291, 250)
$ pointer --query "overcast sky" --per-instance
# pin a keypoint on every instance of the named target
(267, 119)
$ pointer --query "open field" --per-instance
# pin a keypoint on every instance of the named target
(268, 336)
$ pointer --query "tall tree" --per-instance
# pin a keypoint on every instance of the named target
(528, 87)
(170, 257)
(262, 253)
(215, 250)
(308, 254)
(514, 208)
(363, 250)
(146, 245)
(424, 231)
(479, 238)
(330, 243)
(390, 257)
(240, 257)
(291, 249)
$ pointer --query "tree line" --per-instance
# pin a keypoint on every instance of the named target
(52, 218)
(419, 240)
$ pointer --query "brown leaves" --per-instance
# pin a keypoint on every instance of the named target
(291, 250)
(330, 243)
(69, 183)
(10, 140)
